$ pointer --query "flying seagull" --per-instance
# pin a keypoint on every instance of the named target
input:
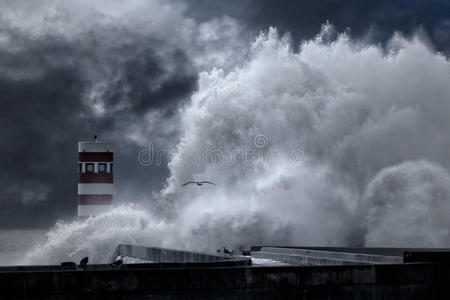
(198, 182)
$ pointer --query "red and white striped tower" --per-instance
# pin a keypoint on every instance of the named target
(95, 178)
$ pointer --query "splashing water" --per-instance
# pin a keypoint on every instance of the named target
(98, 236)
(408, 205)
(372, 127)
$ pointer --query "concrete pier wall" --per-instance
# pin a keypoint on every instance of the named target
(322, 257)
(164, 255)
(167, 255)
(196, 275)
(405, 281)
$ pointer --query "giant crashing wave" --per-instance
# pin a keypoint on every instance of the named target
(371, 124)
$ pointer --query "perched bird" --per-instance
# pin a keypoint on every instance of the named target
(226, 251)
(83, 263)
(95, 138)
(198, 182)
(117, 263)
(218, 250)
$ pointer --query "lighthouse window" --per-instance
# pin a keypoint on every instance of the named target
(102, 168)
(80, 168)
(89, 168)
(110, 168)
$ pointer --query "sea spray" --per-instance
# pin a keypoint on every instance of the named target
(99, 236)
(408, 205)
(352, 109)
(358, 114)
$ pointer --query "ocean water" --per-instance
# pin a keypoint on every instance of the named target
(15, 244)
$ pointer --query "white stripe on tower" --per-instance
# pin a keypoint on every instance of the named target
(95, 188)
(91, 210)
(95, 178)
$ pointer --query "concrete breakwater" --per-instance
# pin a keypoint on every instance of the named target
(183, 274)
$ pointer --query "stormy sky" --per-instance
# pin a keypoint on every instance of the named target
(126, 70)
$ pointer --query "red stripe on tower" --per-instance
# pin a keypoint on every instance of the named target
(94, 199)
(95, 178)
(96, 156)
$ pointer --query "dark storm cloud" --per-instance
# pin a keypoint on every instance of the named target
(170, 91)
(68, 72)
(46, 106)
(376, 19)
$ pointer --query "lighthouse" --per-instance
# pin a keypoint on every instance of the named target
(95, 178)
